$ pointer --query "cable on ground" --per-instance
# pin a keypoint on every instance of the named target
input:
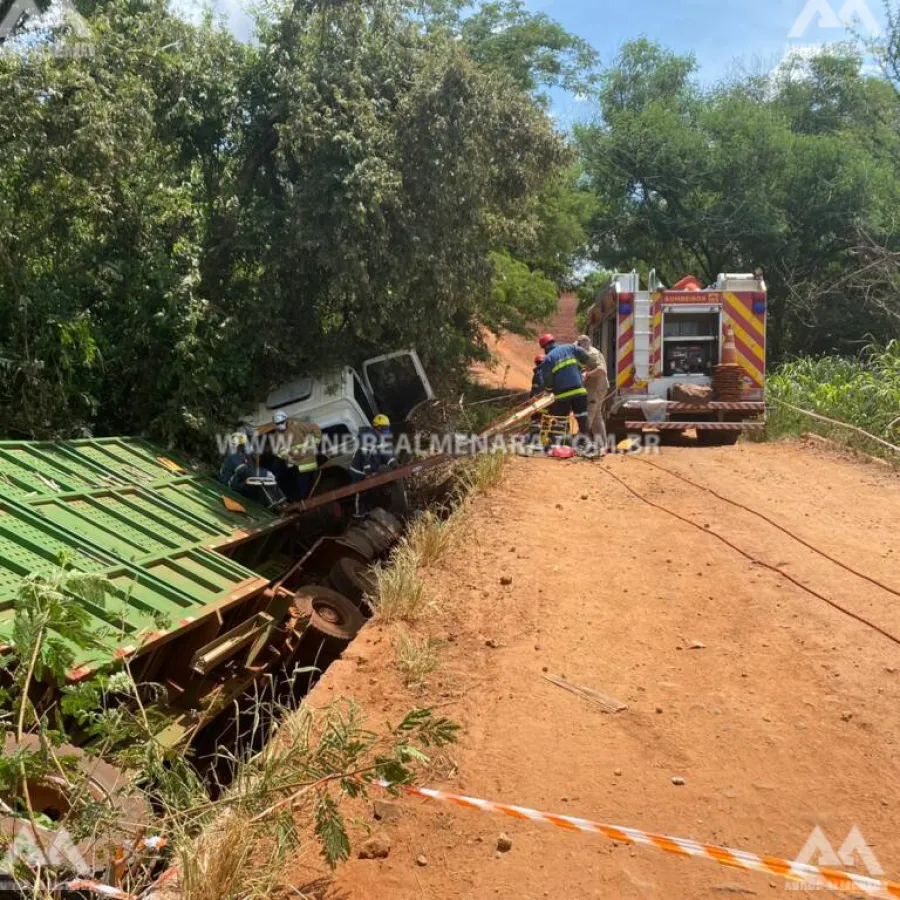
(774, 524)
(861, 619)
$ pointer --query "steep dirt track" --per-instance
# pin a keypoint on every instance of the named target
(785, 719)
(513, 356)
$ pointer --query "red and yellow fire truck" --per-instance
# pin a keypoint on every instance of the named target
(686, 357)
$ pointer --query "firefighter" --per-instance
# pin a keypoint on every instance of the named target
(596, 381)
(561, 373)
(537, 380)
(537, 388)
(375, 451)
(293, 454)
(374, 454)
(241, 473)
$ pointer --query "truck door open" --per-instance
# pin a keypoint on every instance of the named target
(398, 383)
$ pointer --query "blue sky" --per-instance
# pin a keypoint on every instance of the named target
(724, 35)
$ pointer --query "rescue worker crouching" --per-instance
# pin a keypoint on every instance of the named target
(241, 472)
(561, 374)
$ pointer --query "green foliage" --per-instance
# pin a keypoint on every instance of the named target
(863, 391)
(795, 173)
(519, 295)
(186, 220)
(530, 49)
(51, 619)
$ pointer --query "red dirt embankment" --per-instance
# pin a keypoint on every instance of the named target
(514, 355)
(778, 711)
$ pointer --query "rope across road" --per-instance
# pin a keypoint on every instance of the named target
(772, 568)
(774, 524)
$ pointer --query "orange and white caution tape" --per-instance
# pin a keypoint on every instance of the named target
(97, 887)
(812, 876)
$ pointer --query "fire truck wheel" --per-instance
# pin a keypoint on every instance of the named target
(333, 615)
(49, 796)
(355, 580)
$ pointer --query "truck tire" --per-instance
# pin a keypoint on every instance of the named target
(107, 785)
(382, 539)
(388, 521)
(333, 615)
(355, 580)
(356, 538)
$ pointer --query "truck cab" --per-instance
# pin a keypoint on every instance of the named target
(343, 401)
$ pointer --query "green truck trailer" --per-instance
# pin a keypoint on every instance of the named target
(207, 590)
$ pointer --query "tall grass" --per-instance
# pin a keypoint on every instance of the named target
(863, 391)
(401, 595)
(416, 658)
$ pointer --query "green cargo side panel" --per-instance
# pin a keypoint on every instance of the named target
(124, 509)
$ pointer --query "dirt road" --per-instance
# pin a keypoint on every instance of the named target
(784, 719)
(513, 356)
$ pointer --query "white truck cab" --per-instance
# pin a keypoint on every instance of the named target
(342, 401)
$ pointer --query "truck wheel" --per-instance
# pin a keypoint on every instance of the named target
(382, 539)
(333, 615)
(389, 521)
(356, 539)
(49, 796)
(355, 580)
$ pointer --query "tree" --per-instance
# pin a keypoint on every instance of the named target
(779, 175)
(186, 220)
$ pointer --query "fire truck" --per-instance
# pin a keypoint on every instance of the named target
(683, 358)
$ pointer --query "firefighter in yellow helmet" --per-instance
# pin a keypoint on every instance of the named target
(375, 453)
(375, 450)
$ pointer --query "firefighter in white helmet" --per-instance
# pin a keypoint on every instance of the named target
(293, 448)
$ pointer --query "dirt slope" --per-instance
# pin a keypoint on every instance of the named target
(514, 355)
(785, 719)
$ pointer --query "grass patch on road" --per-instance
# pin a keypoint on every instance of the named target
(416, 658)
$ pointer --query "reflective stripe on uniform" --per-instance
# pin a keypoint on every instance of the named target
(573, 393)
(563, 364)
(306, 467)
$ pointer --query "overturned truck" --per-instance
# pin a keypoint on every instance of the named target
(207, 590)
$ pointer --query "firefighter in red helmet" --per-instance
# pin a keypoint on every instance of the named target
(561, 373)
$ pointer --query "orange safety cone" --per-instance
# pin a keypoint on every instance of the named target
(729, 350)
